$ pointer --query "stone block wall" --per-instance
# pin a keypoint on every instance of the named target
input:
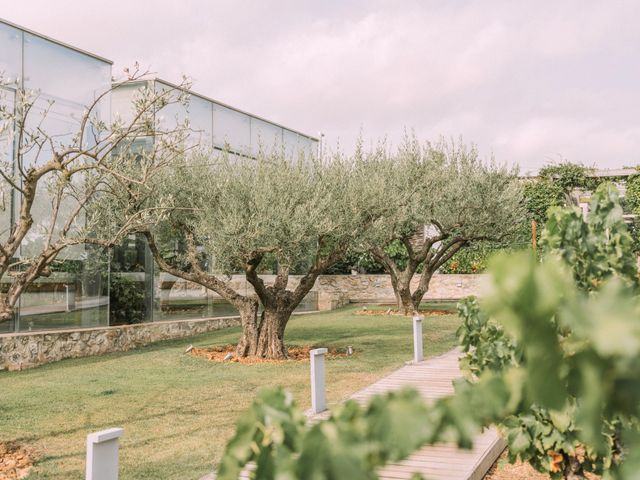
(335, 291)
(26, 350)
(378, 289)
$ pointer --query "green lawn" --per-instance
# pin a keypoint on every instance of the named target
(177, 410)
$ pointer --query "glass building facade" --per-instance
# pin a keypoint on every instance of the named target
(217, 125)
(66, 81)
(87, 287)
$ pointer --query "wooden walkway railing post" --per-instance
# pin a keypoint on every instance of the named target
(318, 401)
(102, 454)
(418, 355)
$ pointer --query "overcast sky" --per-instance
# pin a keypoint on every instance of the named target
(529, 84)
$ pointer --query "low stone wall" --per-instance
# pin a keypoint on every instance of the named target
(334, 291)
(26, 350)
(343, 289)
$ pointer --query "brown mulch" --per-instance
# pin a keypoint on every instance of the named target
(393, 311)
(295, 354)
(502, 470)
(16, 461)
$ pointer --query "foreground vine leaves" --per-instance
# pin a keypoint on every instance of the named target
(561, 441)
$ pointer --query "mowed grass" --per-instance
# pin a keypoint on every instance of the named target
(177, 410)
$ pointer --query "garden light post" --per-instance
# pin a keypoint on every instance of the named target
(102, 454)
(417, 339)
(318, 401)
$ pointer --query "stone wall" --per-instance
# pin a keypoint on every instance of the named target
(334, 291)
(26, 350)
(342, 289)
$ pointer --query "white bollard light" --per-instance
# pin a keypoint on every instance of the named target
(70, 298)
(102, 454)
(417, 339)
(318, 401)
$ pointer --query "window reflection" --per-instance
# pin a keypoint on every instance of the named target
(232, 129)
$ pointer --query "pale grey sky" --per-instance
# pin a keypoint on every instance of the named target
(530, 82)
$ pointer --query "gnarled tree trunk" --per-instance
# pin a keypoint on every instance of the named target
(279, 303)
(248, 342)
(403, 293)
(7, 312)
(431, 259)
(264, 336)
(271, 336)
(247, 306)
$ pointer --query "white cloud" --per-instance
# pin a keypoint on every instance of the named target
(526, 81)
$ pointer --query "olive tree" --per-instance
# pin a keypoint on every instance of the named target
(49, 178)
(456, 200)
(271, 213)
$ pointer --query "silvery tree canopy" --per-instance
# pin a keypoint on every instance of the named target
(456, 200)
(272, 214)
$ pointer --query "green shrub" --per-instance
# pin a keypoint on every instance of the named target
(126, 300)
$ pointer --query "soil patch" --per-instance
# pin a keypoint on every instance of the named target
(226, 353)
(392, 311)
(16, 461)
(502, 470)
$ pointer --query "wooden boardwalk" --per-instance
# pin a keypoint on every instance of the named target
(433, 379)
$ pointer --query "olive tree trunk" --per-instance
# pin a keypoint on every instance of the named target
(430, 259)
(262, 335)
(279, 304)
(7, 312)
(248, 342)
(402, 290)
(270, 343)
(247, 306)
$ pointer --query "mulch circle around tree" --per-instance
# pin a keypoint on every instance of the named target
(396, 312)
(226, 354)
(16, 461)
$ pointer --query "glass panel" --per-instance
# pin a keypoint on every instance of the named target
(231, 128)
(265, 135)
(10, 54)
(122, 99)
(308, 146)
(62, 73)
(74, 295)
(174, 114)
(177, 299)
(291, 144)
(309, 303)
(68, 82)
(7, 101)
(131, 282)
(200, 112)
(60, 121)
